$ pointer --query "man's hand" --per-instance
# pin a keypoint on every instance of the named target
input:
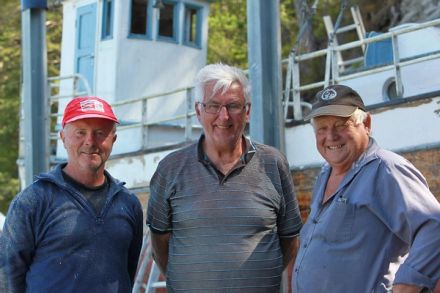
(405, 288)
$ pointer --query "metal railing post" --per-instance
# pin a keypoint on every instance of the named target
(188, 118)
(396, 62)
(144, 124)
(297, 109)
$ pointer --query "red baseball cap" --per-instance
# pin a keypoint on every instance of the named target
(88, 107)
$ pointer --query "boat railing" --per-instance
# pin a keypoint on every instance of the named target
(77, 85)
(293, 102)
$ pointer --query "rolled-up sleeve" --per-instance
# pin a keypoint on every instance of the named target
(414, 216)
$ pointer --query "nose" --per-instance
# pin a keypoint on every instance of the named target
(332, 133)
(89, 139)
(223, 114)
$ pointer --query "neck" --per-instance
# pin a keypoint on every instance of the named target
(86, 177)
(224, 158)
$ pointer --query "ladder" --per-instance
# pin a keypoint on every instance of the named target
(357, 25)
(153, 280)
(145, 259)
(335, 64)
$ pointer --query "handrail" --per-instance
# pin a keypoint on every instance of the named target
(338, 75)
(143, 122)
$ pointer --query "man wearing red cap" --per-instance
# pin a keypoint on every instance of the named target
(374, 226)
(76, 228)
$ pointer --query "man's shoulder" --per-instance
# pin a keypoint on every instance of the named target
(390, 158)
(389, 163)
(264, 150)
(180, 155)
(38, 193)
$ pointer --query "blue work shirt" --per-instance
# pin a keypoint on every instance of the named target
(381, 227)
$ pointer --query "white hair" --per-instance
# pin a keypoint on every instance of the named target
(221, 77)
(359, 116)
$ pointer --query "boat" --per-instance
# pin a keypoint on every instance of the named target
(142, 58)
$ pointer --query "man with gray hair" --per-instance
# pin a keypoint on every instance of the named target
(222, 212)
(374, 225)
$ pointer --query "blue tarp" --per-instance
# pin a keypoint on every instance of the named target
(378, 53)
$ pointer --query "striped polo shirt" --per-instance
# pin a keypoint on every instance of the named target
(226, 229)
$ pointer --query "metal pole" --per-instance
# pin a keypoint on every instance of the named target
(34, 88)
(264, 39)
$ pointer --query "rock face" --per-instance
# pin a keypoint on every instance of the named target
(380, 16)
(419, 10)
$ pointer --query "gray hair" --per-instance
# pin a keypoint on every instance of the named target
(222, 77)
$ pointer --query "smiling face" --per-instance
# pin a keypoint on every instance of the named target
(224, 130)
(340, 140)
(88, 143)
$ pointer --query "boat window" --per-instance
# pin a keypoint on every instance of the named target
(138, 24)
(167, 21)
(192, 26)
(107, 19)
(389, 91)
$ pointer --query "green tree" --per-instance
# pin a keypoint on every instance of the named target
(9, 100)
(10, 82)
(227, 40)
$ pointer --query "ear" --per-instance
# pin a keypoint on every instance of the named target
(197, 108)
(367, 123)
(62, 136)
(248, 112)
(114, 137)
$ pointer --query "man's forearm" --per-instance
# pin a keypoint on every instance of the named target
(159, 244)
(289, 248)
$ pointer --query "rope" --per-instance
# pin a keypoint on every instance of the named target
(307, 17)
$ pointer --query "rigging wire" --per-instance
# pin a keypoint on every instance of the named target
(306, 19)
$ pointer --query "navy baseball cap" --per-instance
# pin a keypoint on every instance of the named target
(336, 100)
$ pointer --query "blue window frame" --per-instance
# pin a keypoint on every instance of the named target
(167, 24)
(107, 19)
(139, 18)
(192, 26)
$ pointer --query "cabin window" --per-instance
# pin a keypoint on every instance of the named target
(107, 19)
(167, 21)
(192, 26)
(138, 24)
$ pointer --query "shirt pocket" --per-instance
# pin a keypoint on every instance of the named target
(339, 221)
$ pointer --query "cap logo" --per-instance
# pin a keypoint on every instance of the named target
(328, 94)
(92, 105)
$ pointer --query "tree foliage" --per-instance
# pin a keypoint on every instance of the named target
(10, 82)
(9, 100)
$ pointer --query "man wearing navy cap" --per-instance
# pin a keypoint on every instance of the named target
(75, 228)
(374, 225)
